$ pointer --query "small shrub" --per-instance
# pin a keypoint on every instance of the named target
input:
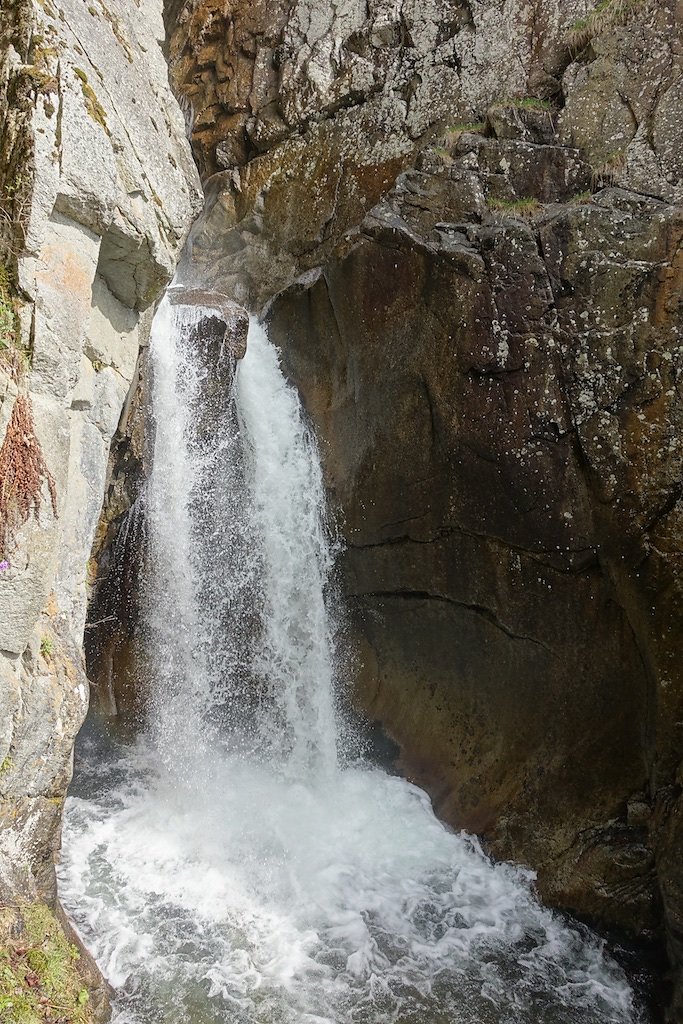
(46, 646)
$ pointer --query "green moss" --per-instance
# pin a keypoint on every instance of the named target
(13, 358)
(526, 207)
(92, 104)
(39, 977)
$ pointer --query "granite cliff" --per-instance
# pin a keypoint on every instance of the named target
(97, 193)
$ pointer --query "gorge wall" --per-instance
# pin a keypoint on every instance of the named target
(97, 192)
(465, 223)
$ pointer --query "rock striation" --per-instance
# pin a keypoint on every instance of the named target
(97, 192)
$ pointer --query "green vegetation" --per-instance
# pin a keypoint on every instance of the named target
(42, 78)
(442, 154)
(581, 198)
(8, 318)
(608, 14)
(95, 109)
(7, 765)
(13, 358)
(46, 646)
(526, 207)
(39, 978)
(454, 131)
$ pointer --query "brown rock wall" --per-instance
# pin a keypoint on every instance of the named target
(500, 411)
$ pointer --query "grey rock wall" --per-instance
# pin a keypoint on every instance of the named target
(98, 191)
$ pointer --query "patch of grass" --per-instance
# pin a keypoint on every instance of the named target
(453, 132)
(525, 103)
(606, 174)
(581, 198)
(39, 978)
(533, 103)
(607, 15)
(46, 646)
(525, 208)
(442, 155)
(7, 765)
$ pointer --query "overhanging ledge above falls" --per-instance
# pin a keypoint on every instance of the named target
(221, 308)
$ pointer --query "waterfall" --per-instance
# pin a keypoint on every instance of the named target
(224, 867)
(240, 559)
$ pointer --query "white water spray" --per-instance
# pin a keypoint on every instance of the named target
(224, 869)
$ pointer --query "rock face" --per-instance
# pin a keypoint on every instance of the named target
(496, 383)
(509, 473)
(98, 191)
(486, 333)
(304, 113)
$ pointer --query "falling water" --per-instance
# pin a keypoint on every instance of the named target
(226, 867)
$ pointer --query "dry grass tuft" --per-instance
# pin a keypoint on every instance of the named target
(524, 208)
(607, 15)
(453, 132)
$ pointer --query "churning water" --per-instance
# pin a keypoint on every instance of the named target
(234, 864)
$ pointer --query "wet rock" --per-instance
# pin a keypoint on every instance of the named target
(231, 320)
